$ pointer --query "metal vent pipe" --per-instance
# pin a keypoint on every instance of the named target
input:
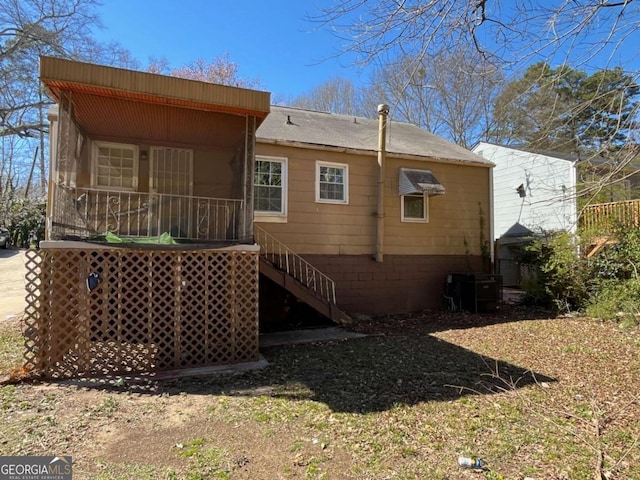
(383, 112)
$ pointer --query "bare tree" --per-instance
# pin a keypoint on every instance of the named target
(29, 29)
(517, 31)
(338, 95)
(449, 93)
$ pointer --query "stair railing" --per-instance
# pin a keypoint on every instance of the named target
(285, 259)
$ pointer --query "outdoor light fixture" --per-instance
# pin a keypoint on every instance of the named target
(143, 155)
(521, 191)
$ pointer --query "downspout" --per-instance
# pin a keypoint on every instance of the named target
(383, 111)
(492, 226)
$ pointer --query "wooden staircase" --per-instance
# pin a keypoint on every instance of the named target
(599, 243)
(292, 272)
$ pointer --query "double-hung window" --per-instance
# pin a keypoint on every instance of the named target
(115, 166)
(332, 182)
(270, 189)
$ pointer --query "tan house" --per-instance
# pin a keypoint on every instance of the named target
(317, 191)
(152, 261)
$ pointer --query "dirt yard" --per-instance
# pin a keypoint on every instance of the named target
(535, 398)
(12, 286)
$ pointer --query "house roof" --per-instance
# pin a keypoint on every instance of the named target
(568, 156)
(311, 129)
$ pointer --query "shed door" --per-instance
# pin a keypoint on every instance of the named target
(171, 177)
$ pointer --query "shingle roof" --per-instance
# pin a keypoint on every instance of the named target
(286, 124)
(569, 156)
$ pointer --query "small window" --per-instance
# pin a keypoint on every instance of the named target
(414, 208)
(269, 188)
(115, 166)
(332, 182)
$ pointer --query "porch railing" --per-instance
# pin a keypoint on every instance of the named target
(603, 215)
(140, 214)
(293, 264)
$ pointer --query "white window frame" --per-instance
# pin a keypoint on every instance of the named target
(94, 166)
(425, 209)
(269, 216)
(345, 167)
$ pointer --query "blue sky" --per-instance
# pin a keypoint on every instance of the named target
(271, 41)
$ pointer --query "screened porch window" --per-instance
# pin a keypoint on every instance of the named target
(115, 166)
(269, 187)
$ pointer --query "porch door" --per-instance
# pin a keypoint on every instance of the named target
(171, 178)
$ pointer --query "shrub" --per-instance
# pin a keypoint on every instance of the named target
(620, 259)
(605, 286)
(558, 276)
(614, 284)
(616, 301)
(25, 219)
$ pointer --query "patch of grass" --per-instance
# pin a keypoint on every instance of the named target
(271, 411)
(8, 397)
(189, 449)
(206, 460)
(297, 446)
(578, 349)
(125, 471)
(11, 347)
(106, 408)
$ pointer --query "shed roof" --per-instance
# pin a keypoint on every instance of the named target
(518, 230)
(287, 125)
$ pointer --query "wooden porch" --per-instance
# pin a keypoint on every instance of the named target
(610, 215)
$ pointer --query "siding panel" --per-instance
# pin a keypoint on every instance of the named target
(318, 228)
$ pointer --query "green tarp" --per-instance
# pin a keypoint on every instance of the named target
(164, 239)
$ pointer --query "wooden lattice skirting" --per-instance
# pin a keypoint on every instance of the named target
(152, 310)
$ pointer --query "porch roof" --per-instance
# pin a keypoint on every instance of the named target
(119, 103)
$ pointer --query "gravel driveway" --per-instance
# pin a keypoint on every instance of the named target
(12, 291)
